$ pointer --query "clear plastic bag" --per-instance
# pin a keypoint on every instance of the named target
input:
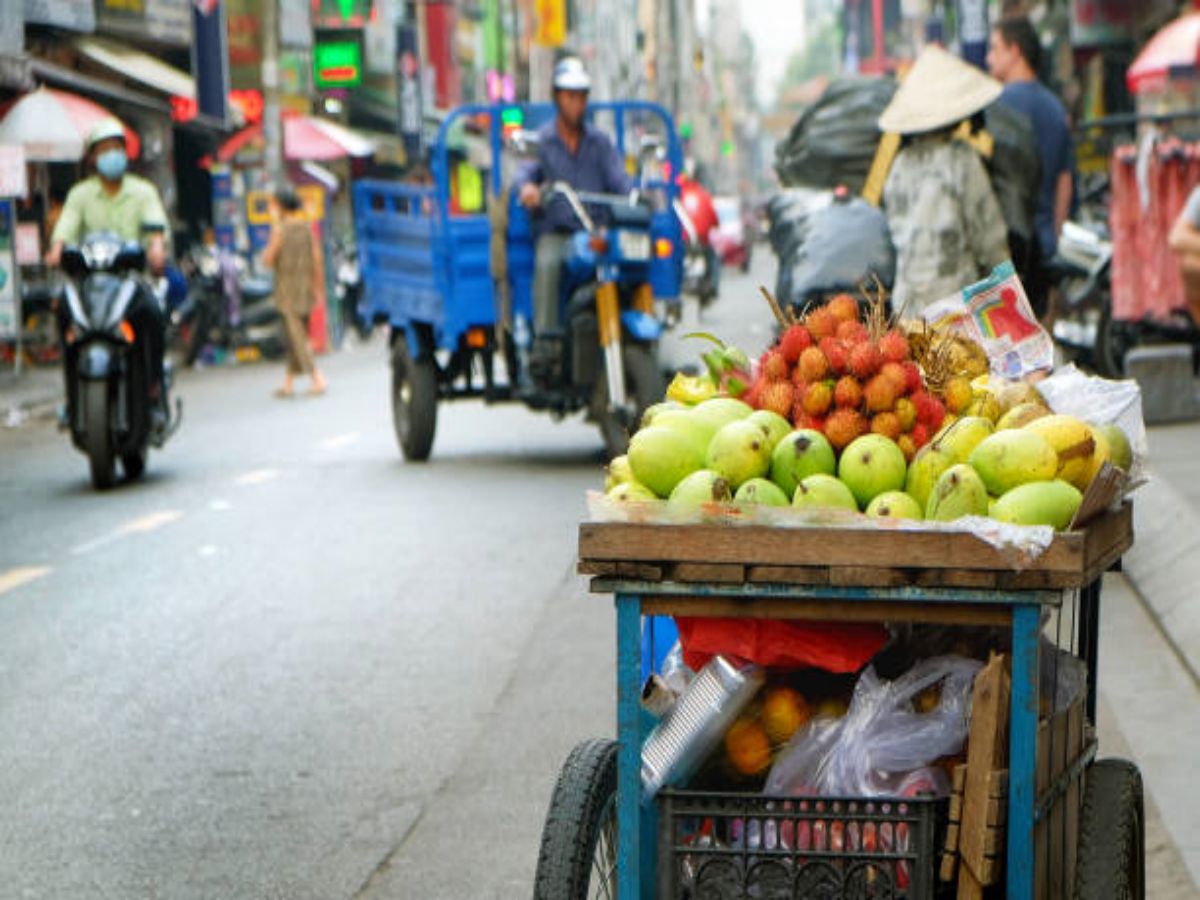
(882, 739)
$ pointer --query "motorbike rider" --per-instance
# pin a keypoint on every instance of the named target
(572, 151)
(114, 200)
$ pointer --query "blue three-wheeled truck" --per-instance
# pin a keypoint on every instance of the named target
(454, 283)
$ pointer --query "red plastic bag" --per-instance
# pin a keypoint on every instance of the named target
(837, 647)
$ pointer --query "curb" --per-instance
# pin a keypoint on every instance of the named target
(1163, 566)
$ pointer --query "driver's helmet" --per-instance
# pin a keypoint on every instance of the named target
(570, 75)
(104, 130)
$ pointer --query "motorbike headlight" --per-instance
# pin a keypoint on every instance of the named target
(633, 245)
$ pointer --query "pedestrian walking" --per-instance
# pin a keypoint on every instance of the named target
(946, 224)
(295, 256)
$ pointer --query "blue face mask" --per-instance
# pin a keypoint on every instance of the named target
(111, 164)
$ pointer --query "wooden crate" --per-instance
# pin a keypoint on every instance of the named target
(845, 556)
(1061, 740)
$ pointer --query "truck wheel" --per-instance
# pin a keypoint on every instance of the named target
(414, 402)
(1112, 840)
(98, 434)
(644, 387)
(578, 857)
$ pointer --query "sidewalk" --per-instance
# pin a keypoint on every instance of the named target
(1164, 564)
(33, 394)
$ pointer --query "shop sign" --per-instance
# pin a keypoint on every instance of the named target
(1099, 23)
(341, 13)
(337, 63)
(167, 21)
(248, 102)
(13, 182)
(551, 29)
(379, 38)
(295, 26)
(8, 285)
(76, 15)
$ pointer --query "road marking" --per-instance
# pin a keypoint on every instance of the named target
(21, 575)
(220, 505)
(140, 525)
(338, 441)
(256, 476)
(207, 550)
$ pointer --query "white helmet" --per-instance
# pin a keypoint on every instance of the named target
(104, 130)
(570, 75)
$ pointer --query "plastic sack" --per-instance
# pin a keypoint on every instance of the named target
(995, 313)
(1101, 402)
(833, 142)
(882, 739)
(1062, 677)
(847, 243)
(837, 647)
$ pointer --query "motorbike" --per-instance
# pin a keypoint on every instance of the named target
(607, 306)
(109, 410)
(228, 308)
(1083, 325)
(348, 292)
(701, 262)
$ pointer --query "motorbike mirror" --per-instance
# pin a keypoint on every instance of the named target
(72, 262)
(131, 256)
(524, 142)
(649, 147)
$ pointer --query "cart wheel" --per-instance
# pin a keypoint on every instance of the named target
(644, 387)
(414, 402)
(578, 858)
(1112, 839)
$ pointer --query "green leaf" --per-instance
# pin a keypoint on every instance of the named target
(704, 335)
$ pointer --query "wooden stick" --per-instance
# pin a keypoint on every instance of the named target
(775, 308)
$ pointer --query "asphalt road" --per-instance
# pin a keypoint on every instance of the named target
(289, 665)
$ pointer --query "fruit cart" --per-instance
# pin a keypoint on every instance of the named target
(1051, 822)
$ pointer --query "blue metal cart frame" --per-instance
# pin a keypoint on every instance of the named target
(1020, 611)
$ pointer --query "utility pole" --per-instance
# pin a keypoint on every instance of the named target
(271, 125)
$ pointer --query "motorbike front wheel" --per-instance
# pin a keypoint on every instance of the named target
(98, 436)
(1113, 340)
(644, 386)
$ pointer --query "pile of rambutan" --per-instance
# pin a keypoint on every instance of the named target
(844, 376)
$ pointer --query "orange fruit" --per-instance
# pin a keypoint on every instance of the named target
(748, 748)
(785, 712)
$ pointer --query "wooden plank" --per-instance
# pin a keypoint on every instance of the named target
(1074, 796)
(949, 866)
(810, 575)
(753, 544)
(618, 569)
(985, 752)
(713, 573)
(824, 610)
(868, 576)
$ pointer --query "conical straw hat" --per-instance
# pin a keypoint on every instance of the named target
(939, 90)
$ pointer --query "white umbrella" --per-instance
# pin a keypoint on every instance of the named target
(53, 125)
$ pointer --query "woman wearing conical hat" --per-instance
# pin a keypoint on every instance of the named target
(945, 221)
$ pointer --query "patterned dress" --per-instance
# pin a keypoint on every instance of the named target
(946, 224)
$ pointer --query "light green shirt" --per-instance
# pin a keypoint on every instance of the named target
(130, 213)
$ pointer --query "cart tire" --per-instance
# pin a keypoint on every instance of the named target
(644, 385)
(414, 402)
(578, 857)
(1112, 840)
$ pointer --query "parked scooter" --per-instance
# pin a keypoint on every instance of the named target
(109, 410)
(230, 309)
(348, 291)
(1083, 323)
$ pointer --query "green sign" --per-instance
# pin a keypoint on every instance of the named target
(337, 64)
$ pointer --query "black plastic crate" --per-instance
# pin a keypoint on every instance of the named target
(727, 846)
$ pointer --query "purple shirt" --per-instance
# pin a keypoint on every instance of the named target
(595, 166)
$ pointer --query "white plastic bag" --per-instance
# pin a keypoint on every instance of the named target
(882, 738)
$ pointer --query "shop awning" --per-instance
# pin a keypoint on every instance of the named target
(320, 174)
(304, 138)
(134, 64)
(1173, 51)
